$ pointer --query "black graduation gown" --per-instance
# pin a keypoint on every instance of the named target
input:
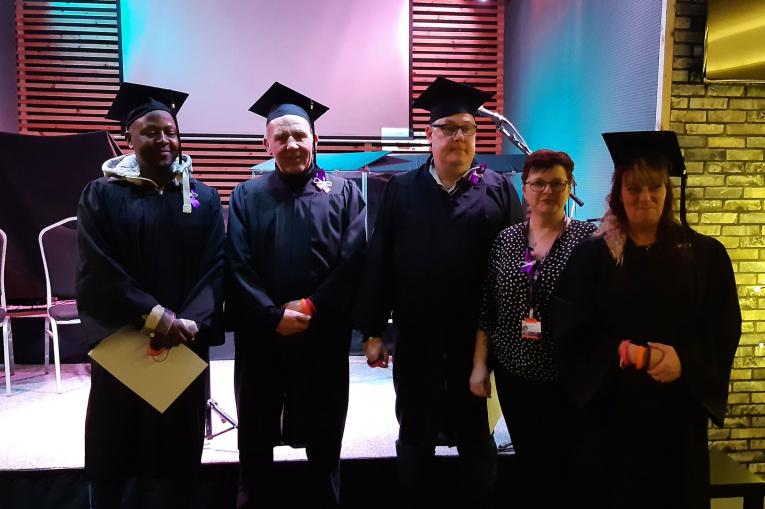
(641, 443)
(427, 263)
(286, 242)
(138, 249)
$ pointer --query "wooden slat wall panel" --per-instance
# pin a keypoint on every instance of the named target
(460, 40)
(68, 69)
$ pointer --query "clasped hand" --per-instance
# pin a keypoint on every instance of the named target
(180, 331)
(294, 320)
(668, 368)
(376, 353)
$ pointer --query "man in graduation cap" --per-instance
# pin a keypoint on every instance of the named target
(426, 263)
(294, 249)
(151, 256)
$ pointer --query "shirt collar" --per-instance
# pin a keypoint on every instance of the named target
(451, 189)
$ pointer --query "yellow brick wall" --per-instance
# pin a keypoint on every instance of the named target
(721, 128)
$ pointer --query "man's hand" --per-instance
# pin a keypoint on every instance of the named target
(294, 305)
(480, 381)
(292, 322)
(180, 331)
(669, 368)
(377, 355)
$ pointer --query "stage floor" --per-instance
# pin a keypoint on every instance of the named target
(43, 430)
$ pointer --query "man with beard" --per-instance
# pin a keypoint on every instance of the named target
(151, 254)
(294, 248)
(426, 263)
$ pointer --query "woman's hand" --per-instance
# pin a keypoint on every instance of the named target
(480, 381)
(668, 369)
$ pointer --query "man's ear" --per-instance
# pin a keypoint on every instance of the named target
(428, 133)
(129, 139)
(268, 147)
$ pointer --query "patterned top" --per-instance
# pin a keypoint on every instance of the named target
(506, 299)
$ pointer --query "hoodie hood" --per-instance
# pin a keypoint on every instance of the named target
(125, 167)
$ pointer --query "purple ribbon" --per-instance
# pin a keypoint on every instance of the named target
(193, 199)
(321, 181)
(475, 174)
(528, 263)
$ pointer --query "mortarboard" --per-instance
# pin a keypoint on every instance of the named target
(280, 100)
(446, 97)
(134, 101)
(626, 147)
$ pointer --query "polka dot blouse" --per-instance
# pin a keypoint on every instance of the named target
(506, 295)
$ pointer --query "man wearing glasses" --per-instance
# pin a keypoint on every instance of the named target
(427, 262)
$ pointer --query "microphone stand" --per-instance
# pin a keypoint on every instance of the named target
(214, 407)
(508, 130)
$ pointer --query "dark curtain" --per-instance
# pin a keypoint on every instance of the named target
(41, 178)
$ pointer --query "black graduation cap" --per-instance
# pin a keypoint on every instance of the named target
(280, 100)
(446, 97)
(134, 101)
(626, 147)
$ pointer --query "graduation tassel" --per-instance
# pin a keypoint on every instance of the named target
(683, 182)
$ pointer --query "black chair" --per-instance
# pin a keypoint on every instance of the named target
(5, 320)
(58, 247)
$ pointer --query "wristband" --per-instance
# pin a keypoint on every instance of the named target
(307, 307)
(163, 327)
(624, 359)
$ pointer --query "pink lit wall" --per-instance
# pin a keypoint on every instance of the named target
(352, 56)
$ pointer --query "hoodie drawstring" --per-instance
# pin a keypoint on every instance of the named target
(186, 193)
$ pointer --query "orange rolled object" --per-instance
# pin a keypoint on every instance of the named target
(640, 358)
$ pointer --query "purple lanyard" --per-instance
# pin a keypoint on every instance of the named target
(533, 268)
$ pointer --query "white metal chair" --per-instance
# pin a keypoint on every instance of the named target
(5, 320)
(58, 247)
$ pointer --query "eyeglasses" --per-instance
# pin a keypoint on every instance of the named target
(538, 186)
(451, 129)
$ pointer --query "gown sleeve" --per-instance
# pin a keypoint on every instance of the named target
(488, 315)
(248, 295)
(204, 302)
(585, 351)
(338, 290)
(706, 360)
(107, 296)
(376, 292)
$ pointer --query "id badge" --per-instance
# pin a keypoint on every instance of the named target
(531, 329)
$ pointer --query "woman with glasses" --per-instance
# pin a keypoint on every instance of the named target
(514, 337)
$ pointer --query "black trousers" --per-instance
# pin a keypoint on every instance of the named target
(540, 420)
(142, 493)
(477, 473)
(259, 488)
